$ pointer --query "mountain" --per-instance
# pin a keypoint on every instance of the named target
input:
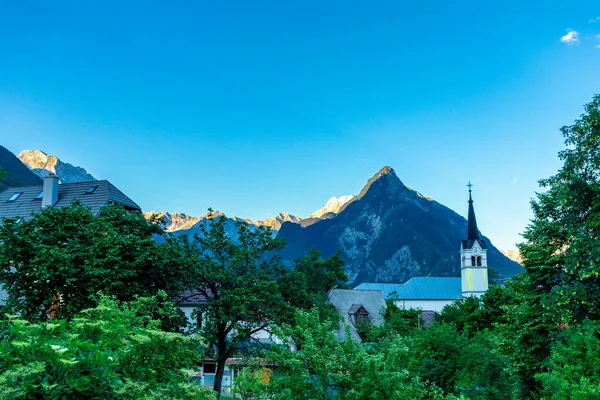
(17, 174)
(183, 224)
(276, 222)
(513, 254)
(390, 233)
(333, 206)
(43, 164)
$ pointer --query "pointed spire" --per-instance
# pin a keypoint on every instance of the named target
(472, 233)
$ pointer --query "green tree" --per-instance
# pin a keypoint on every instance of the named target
(561, 252)
(574, 371)
(397, 322)
(108, 352)
(561, 255)
(55, 262)
(322, 367)
(246, 286)
(476, 314)
(313, 277)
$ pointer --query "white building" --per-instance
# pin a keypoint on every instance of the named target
(432, 293)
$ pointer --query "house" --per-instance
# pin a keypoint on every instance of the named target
(23, 202)
(357, 307)
(434, 293)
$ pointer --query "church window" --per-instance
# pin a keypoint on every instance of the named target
(472, 261)
(479, 261)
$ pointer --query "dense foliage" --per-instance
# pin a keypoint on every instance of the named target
(246, 286)
(109, 352)
(55, 262)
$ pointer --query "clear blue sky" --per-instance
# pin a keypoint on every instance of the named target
(258, 107)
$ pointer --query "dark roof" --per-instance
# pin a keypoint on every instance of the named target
(356, 308)
(419, 288)
(472, 231)
(106, 193)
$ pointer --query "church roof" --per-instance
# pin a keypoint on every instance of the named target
(472, 231)
(418, 288)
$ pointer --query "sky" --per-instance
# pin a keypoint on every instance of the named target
(255, 108)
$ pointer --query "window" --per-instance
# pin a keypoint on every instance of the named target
(358, 314)
(210, 368)
(91, 189)
(360, 318)
(39, 196)
(479, 261)
(472, 261)
(15, 196)
(199, 320)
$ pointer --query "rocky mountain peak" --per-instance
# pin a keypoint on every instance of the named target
(384, 180)
(43, 164)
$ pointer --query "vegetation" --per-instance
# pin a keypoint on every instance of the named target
(54, 263)
(246, 286)
(108, 352)
(537, 337)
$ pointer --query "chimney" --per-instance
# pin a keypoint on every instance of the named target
(50, 196)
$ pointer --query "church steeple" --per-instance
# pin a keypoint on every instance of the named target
(473, 255)
(472, 233)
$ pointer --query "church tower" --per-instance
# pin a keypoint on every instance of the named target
(473, 255)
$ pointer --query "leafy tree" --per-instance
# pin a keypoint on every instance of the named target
(483, 371)
(313, 277)
(324, 368)
(397, 322)
(574, 371)
(246, 286)
(476, 314)
(55, 262)
(107, 352)
(435, 355)
(2, 174)
(561, 252)
(561, 255)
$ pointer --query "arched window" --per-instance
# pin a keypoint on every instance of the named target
(479, 261)
(472, 261)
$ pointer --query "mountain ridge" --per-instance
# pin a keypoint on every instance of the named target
(43, 164)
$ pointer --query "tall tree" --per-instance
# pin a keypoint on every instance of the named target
(561, 254)
(56, 261)
(246, 286)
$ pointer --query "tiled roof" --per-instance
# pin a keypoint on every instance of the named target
(419, 288)
(106, 193)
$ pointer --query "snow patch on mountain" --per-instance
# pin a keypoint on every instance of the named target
(334, 205)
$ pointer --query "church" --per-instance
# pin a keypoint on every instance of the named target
(434, 293)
